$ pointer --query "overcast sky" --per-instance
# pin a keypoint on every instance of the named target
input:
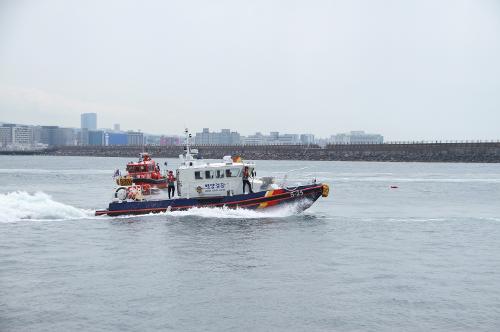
(413, 69)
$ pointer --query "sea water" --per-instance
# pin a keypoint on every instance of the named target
(422, 256)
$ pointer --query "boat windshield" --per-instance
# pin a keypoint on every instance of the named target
(139, 168)
(232, 172)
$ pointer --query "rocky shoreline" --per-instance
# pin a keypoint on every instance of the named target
(484, 152)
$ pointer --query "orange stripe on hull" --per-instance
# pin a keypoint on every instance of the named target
(269, 193)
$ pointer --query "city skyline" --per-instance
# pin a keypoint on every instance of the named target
(225, 136)
(410, 70)
(180, 132)
(23, 136)
(333, 138)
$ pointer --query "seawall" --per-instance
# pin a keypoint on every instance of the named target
(480, 152)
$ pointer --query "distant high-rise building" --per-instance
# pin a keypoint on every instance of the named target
(5, 135)
(48, 135)
(116, 138)
(96, 137)
(289, 139)
(357, 137)
(152, 139)
(275, 138)
(135, 138)
(83, 137)
(170, 140)
(257, 139)
(116, 127)
(89, 121)
(203, 138)
(16, 136)
(22, 136)
(307, 139)
(224, 137)
(57, 136)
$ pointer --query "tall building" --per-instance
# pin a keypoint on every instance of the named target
(57, 136)
(48, 135)
(357, 137)
(170, 140)
(96, 137)
(89, 121)
(16, 136)
(224, 137)
(83, 137)
(116, 127)
(289, 139)
(37, 135)
(203, 138)
(135, 138)
(274, 135)
(152, 139)
(66, 136)
(116, 138)
(275, 138)
(235, 138)
(257, 139)
(5, 135)
(307, 139)
(22, 136)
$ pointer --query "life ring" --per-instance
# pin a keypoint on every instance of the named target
(121, 193)
(199, 189)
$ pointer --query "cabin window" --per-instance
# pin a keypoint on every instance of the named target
(133, 169)
(209, 174)
(198, 175)
(232, 172)
(219, 174)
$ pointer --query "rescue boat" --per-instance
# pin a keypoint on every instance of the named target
(219, 185)
(145, 173)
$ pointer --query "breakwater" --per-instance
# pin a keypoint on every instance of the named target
(487, 152)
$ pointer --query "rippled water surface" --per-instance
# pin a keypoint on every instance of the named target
(423, 256)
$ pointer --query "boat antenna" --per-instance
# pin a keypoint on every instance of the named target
(188, 138)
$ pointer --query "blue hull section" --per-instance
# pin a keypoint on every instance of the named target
(304, 195)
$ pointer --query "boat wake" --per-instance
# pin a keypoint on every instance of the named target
(282, 211)
(225, 213)
(20, 205)
(40, 171)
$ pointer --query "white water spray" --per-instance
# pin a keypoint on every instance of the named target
(20, 205)
(226, 213)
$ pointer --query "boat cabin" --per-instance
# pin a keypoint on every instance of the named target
(144, 168)
(202, 179)
(140, 168)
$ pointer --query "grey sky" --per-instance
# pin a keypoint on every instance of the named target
(413, 69)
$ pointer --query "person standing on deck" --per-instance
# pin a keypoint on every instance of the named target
(246, 174)
(171, 184)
